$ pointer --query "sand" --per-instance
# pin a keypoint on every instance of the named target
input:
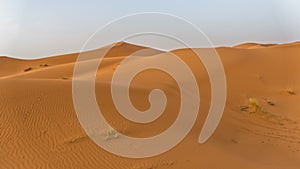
(260, 127)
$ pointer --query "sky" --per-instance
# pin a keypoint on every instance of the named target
(35, 29)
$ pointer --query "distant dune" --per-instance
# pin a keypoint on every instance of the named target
(256, 45)
(260, 127)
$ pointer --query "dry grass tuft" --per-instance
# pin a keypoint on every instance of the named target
(111, 134)
(254, 105)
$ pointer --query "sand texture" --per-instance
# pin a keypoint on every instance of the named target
(260, 127)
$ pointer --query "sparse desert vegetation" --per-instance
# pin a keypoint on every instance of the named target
(44, 65)
(27, 69)
(111, 133)
(253, 105)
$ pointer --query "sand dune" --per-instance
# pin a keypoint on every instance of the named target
(260, 127)
(258, 46)
(254, 46)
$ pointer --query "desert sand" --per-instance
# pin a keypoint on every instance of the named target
(260, 127)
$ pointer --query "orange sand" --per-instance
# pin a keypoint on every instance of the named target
(39, 127)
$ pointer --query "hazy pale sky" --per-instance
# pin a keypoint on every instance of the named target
(33, 29)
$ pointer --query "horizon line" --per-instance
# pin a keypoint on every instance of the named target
(266, 45)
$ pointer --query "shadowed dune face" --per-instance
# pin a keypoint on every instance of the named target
(260, 127)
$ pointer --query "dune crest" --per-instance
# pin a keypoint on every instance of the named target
(259, 46)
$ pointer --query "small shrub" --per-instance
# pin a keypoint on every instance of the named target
(44, 65)
(27, 69)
